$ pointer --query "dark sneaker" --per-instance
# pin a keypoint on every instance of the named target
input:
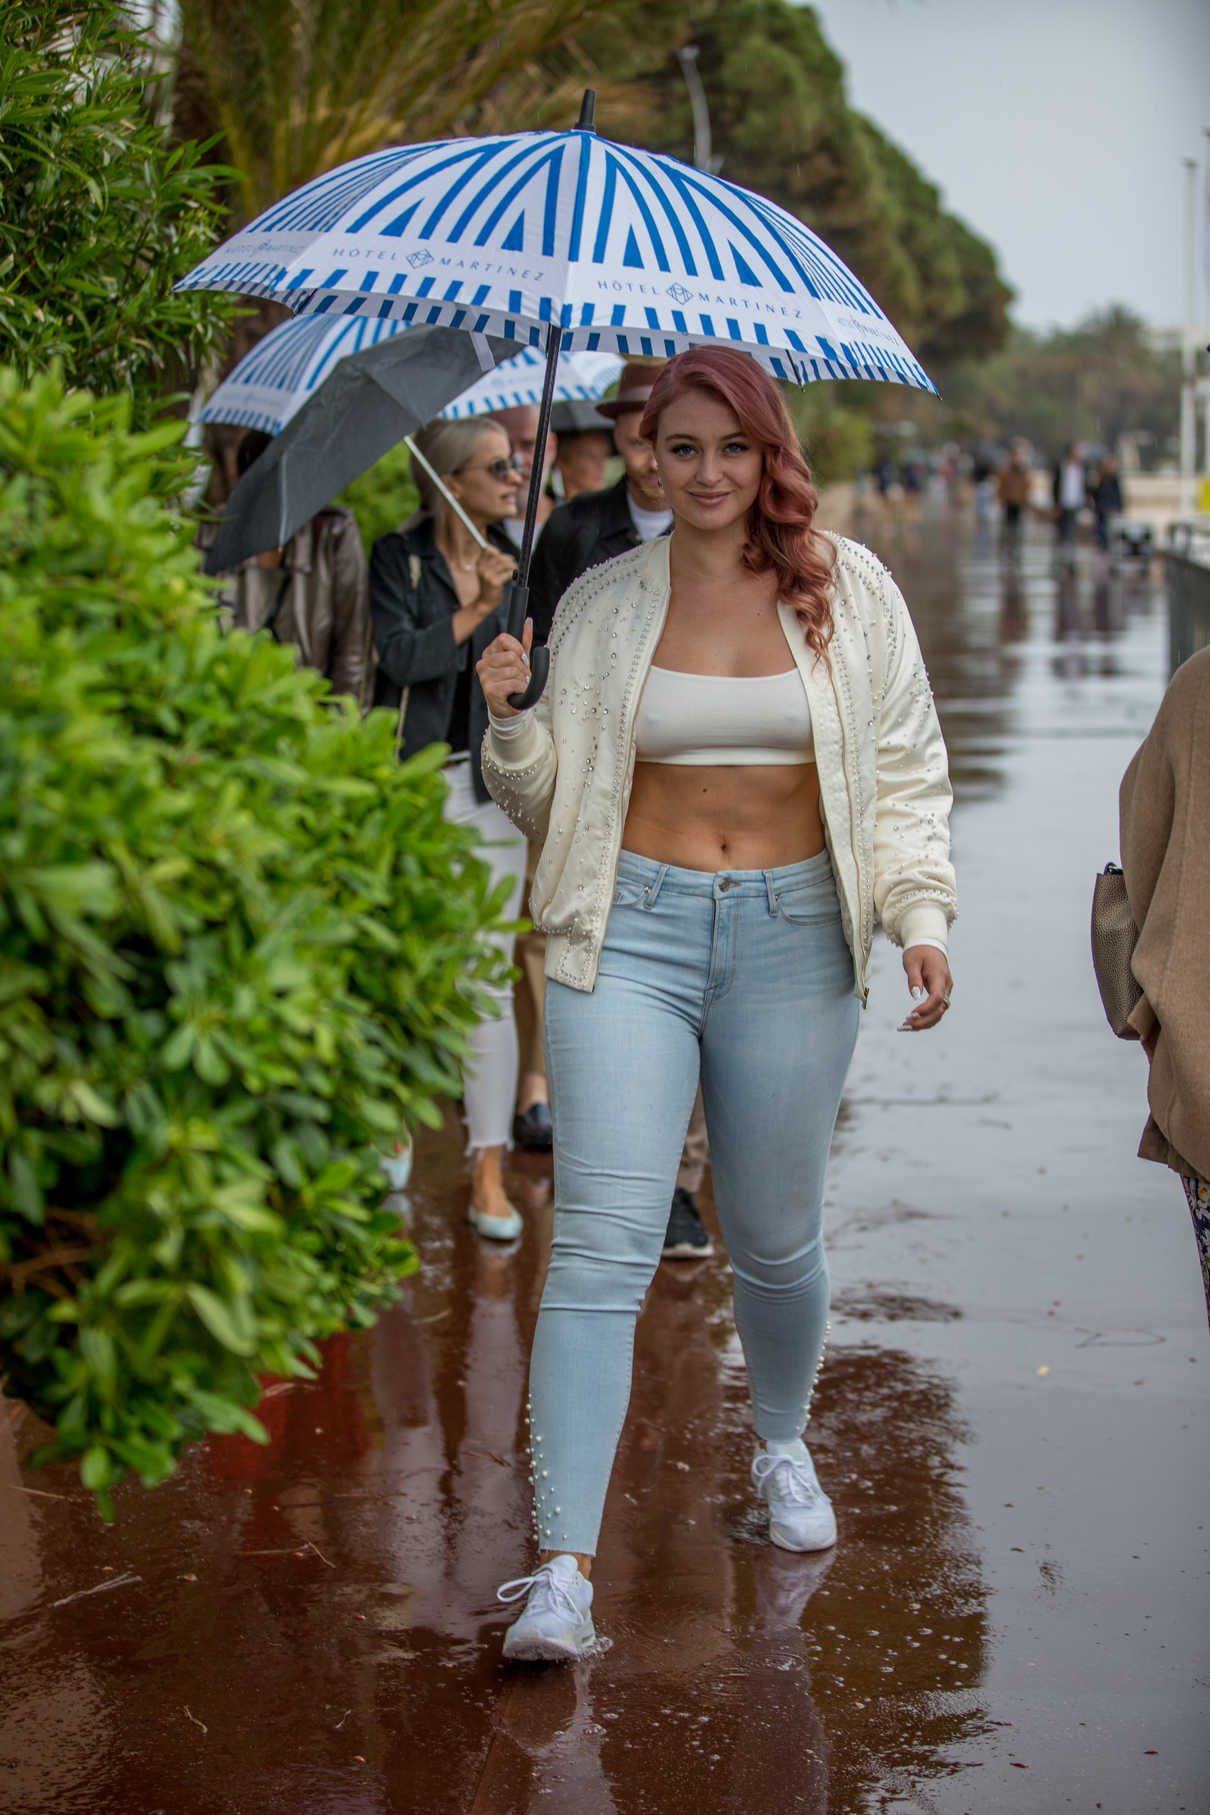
(686, 1238)
(555, 1625)
(533, 1129)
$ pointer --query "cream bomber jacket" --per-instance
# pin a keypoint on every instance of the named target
(563, 771)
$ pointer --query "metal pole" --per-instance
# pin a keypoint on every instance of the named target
(1204, 324)
(687, 58)
(1188, 341)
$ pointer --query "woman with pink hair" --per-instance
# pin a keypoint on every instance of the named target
(735, 770)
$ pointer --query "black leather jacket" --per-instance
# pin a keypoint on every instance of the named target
(412, 602)
(592, 528)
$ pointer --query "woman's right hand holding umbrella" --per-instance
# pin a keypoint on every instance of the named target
(503, 668)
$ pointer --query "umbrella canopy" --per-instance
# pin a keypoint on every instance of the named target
(568, 242)
(363, 404)
(286, 369)
(579, 378)
(618, 249)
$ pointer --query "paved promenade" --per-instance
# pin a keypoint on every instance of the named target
(1013, 1420)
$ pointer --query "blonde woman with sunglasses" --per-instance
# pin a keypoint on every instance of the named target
(436, 597)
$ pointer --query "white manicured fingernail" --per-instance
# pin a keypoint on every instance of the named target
(919, 993)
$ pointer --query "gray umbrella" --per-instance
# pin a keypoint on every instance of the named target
(365, 406)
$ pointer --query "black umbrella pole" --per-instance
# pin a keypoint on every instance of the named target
(518, 603)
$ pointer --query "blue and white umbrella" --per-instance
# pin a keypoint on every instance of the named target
(567, 242)
(621, 250)
(286, 369)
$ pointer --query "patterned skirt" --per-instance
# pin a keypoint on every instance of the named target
(1197, 1190)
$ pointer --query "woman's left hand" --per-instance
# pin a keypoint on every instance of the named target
(927, 970)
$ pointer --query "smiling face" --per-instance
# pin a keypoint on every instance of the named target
(710, 467)
(486, 486)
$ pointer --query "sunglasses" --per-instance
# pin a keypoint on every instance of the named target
(500, 470)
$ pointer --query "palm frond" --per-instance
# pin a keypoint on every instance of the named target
(299, 86)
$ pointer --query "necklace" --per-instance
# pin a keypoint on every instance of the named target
(457, 561)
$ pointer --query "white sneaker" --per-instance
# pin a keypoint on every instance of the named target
(800, 1513)
(556, 1625)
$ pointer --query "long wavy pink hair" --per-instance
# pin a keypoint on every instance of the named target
(781, 539)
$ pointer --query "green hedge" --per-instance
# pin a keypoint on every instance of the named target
(383, 496)
(239, 944)
(102, 211)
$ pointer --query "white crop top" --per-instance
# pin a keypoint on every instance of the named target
(723, 719)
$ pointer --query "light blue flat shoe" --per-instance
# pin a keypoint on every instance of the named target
(496, 1228)
(397, 1166)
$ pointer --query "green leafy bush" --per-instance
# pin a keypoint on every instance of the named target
(383, 496)
(102, 213)
(239, 944)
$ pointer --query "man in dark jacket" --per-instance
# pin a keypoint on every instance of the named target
(581, 534)
(598, 525)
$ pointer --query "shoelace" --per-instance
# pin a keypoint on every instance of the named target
(551, 1593)
(796, 1484)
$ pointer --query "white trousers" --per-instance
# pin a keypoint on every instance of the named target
(489, 1084)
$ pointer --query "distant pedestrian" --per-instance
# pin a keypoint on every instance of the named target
(983, 481)
(1070, 487)
(714, 697)
(1107, 504)
(437, 602)
(1164, 807)
(313, 593)
(1014, 482)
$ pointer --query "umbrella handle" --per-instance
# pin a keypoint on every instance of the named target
(515, 614)
(539, 668)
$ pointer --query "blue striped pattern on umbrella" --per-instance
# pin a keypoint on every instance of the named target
(284, 369)
(579, 376)
(275, 379)
(622, 250)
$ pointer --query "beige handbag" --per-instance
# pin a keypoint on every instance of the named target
(1114, 936)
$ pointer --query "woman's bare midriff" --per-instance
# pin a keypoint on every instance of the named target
(724, 817)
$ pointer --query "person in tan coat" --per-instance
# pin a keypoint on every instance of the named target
(1014, 483)
(1164, 809)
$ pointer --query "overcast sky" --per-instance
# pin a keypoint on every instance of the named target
(1055, 128)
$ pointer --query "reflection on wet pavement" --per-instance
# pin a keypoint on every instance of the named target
(313, 1625)
(311, 1628)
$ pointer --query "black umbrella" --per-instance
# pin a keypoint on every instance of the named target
(366, 405)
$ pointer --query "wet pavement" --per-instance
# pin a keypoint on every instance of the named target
(1012, 1421)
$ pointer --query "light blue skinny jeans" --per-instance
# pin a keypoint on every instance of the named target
(745, 979)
